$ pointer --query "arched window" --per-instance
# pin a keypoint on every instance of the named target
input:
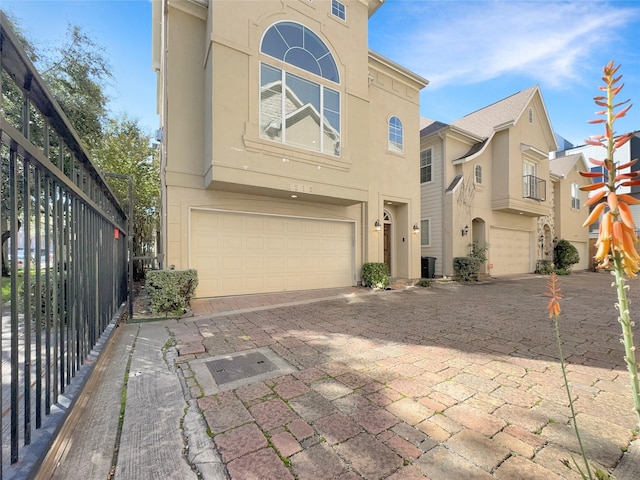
(477, 174)
(395, 135)
(308, 114)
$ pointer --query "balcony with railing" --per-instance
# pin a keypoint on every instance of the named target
(524, 195)
(534, 188)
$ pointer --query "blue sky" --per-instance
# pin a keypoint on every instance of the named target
(122, 27)
(473, 53)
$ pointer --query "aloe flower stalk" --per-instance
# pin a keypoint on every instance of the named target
(554, 312)
(616, 237)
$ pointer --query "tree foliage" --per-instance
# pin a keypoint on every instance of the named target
(77, 74)
(126, 150)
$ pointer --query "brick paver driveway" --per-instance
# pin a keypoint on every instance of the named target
(448, 382)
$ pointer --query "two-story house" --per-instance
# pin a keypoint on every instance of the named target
(623, 155)
(486, 178)
(289, 149)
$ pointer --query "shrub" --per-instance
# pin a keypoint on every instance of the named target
(478, 252)
(375, 275)
(565, 255)
(545, 267)
(424, 282)
(466, 267)
(170, 291)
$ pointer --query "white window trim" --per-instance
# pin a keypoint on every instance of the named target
(574, 198)
(475, 176)
(344, 9)
(430, 149)
(428, 231)
(389, 149)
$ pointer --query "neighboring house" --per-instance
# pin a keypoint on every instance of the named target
(569, 212)
(486, 178)
(623, 155)
(289, 149)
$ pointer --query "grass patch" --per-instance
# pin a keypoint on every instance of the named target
(6, 286)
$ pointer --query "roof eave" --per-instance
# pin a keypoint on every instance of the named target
(405, 72)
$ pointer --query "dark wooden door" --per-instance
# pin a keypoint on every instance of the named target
(387, 245)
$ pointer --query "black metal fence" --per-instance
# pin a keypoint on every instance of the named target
(64, 259)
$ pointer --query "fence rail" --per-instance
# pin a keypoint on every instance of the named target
(64, 259)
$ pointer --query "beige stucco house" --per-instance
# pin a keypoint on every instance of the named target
(568, 213)
(486, 178)
(289, 149)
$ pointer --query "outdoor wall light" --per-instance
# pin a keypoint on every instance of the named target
(377, 225)
(416, 228)
(465, 230)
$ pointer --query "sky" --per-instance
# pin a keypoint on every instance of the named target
(473, 53)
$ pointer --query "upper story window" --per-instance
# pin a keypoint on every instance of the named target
(532, 186)
(426, 165)
(308, 114)
(477, 174)
(530, 115)
(396, 142)
(338, 9)
(575, 196)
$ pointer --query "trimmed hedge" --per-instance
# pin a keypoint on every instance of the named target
(375, 275)
(170, 291)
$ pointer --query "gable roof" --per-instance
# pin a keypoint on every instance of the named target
(427, 126)
(560, 166)
(507, 111)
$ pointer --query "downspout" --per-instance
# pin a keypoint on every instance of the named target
(163, 144)
(445, 247)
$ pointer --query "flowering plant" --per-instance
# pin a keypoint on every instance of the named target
(616, 237)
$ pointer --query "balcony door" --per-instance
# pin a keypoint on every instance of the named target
(529, 174)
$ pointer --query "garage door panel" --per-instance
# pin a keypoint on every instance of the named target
(293, 227)
(509, 251)
(261, 253)
(254, 243)
(294, 244)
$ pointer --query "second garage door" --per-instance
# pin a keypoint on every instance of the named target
(509, 251)
(241, 253)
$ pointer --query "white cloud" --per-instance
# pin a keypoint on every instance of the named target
(465, 42)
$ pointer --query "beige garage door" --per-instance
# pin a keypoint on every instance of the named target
(509, 251)
(583, 252)
(240, 253)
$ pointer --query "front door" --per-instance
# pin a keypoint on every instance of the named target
(387, 245)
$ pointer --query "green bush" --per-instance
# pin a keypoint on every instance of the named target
(424, 282)
(565, 255)
(545, 267)
(375, 275)
(170, 291)
(562, 271)
(466, 267)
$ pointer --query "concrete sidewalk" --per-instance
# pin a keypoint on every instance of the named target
(448, 382)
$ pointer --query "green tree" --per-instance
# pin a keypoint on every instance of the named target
(126, 150)
(77, 74)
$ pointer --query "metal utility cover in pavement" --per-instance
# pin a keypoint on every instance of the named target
(238, 367)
